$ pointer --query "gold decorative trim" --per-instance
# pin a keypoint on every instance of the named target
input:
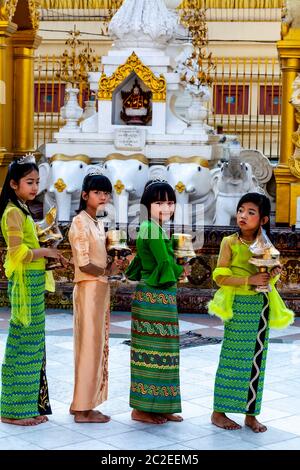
(199, 160)
(180, 187)
(157, 85)
(65, 158)
(60, 185)
(34, 12)
(80, 4)
(119, 186)
(7, 9)
(136, 156)
(296, 138)
(229, 4)
(294, 165)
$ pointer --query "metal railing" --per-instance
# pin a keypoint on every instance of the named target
(247, 102)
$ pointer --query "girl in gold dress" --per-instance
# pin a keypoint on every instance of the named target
(91, 298)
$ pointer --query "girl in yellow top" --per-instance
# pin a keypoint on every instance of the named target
(247, 315)
(24, 395)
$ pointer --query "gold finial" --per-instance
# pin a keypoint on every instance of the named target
(76, 64)
(197, 69)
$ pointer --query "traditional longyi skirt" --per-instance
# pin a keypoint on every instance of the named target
(155, 351)
(240, 375)
(91, 338)
(24, 384)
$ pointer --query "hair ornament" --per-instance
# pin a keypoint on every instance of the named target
(156, 181)
(28, 158)
(94, 171)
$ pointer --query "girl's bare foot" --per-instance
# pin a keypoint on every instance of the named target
(21, 422)
(151, 418)
(42, 418)
(173, 417)
(90, 416)
(71, 412)
(221, 420)
(255, 425)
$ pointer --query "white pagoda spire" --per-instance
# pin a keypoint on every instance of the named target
(143, 24)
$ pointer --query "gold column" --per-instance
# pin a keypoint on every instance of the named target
(7, 28)
(24, 44)
(289, 53)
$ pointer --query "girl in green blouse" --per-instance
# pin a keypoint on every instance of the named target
(248, 315)
(155, 388)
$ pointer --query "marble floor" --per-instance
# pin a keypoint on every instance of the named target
(280, 410)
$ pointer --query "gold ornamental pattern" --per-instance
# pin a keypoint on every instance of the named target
(294, 164)
(157, 85)
(34, 6)
(7, 9)
(294, 161)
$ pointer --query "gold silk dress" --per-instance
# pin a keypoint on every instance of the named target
(91, 300)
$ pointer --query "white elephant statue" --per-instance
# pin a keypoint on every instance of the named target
(61, 181)
(230, 182)
(128, 176)
(191, 179)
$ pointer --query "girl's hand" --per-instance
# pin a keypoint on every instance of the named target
(64, 261)
(260, 279)
(275, 271)
(52, 253)
(119, 263)
(187, 269)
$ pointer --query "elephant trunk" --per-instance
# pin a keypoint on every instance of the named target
(121, 207)
(182, 211)
(63, 201)
(234, 166)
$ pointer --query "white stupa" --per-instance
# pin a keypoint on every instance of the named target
(141, 30)
(146, 24)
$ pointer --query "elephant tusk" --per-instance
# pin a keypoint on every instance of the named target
(190, 190)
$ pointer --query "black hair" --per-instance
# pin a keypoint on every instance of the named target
(92, 183)
(153, 192)
(16, 171)
(263, 204)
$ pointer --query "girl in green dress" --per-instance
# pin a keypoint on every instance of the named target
(248, 315)
(24, 395)
(155, 388)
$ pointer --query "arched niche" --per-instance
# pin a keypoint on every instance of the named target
(117, 100)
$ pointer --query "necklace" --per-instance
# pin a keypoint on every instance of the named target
(245, 242)
(94, 220)
(23, 205)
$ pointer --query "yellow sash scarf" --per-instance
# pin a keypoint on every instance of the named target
(221, 304)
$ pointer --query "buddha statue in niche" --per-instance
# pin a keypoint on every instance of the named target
(136, 106)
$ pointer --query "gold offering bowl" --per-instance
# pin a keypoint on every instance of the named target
(265, 256)
(116, 243)
(49, 234)
(44, 226)
(183, 250)
(116, 246)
